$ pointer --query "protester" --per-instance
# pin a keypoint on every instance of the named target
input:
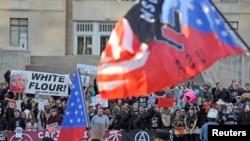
(16, 121)
(100, 118)
(162, 136)
(97, 132)
(131, 115)
(212, 117)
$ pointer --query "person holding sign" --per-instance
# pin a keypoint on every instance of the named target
(18, 82)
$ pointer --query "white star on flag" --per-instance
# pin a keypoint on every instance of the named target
(76, 93)
(199, 21)
(205, 9)
(224, 33)
(217, 21)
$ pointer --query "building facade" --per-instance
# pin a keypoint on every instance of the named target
(34, 25)
(79, 27)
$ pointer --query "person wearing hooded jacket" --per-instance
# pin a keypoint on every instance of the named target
(212, 116)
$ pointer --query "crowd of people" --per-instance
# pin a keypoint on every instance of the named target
(137, 113)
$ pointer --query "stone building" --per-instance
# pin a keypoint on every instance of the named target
(62, 29)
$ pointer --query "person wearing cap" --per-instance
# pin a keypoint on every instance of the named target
(238, 102)
(212, 116)
(162, 136)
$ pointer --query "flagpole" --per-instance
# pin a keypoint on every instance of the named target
(83, 97)
(237, 34)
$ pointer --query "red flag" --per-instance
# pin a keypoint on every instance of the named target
(159, 44)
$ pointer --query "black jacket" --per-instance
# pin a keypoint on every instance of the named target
(3, 124)
(16, 122)
(244, 118)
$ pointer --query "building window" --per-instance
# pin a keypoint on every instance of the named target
(104, 41)
(18, 29)
(84, 26)
(106, 26)
(84, 45)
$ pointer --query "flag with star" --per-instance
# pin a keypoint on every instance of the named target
(161, 43)
(75, 118)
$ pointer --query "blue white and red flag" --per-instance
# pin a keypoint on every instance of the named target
(75, 119)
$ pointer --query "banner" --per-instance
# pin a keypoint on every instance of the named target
(143, 135)
(39, 82)
(89, 69)
(111, 135)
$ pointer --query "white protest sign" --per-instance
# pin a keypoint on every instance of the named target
(41, 105)
(19, 132)
(97, 100)
(89, 69)
(39, 82)
(85, 80)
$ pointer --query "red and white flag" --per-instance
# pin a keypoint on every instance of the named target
(158, 44)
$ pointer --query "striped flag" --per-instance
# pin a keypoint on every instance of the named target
(161, 43)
